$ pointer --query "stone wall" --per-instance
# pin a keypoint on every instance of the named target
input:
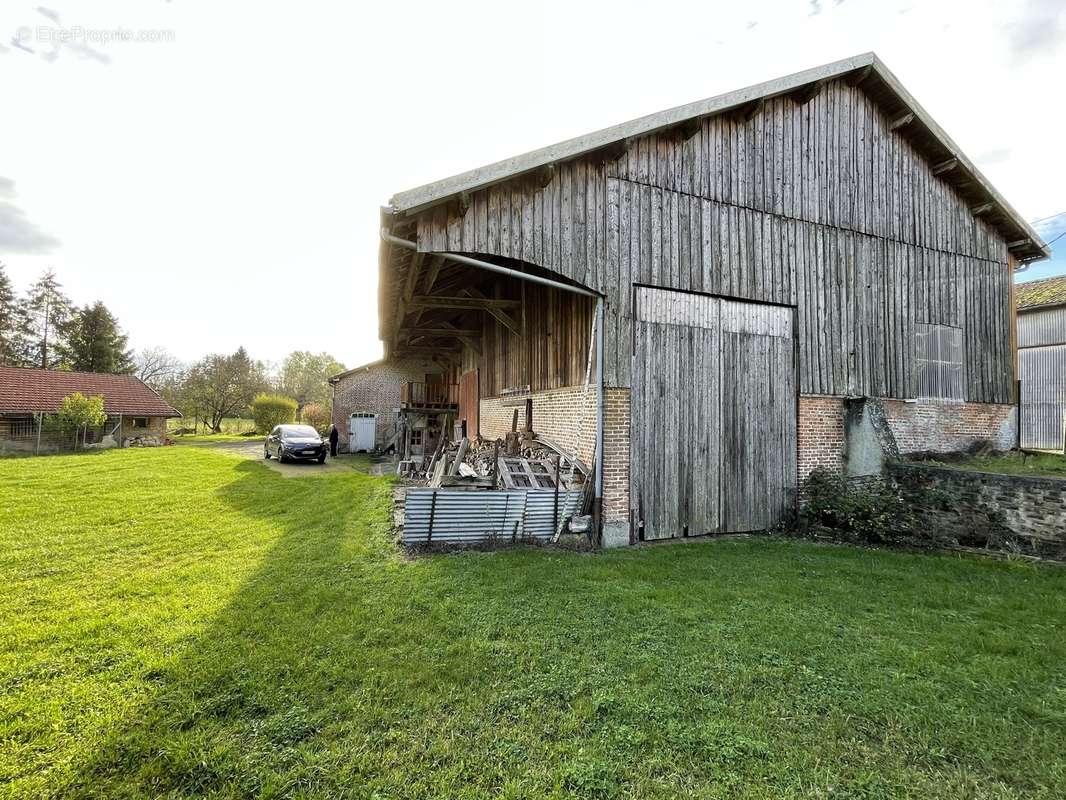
(153, 435)
(375, 389)
(1012, 513)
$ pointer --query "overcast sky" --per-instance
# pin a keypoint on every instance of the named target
(217, 183)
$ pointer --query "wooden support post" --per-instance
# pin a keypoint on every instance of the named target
(432, 513)
(555, 507)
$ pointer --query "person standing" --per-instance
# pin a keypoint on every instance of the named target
(333, 437)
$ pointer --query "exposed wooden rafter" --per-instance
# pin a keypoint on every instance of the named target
(467, 303)
(859, 75)
(805, 94)
(945, 166)
(898, 122)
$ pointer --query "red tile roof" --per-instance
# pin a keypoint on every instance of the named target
(31, 390)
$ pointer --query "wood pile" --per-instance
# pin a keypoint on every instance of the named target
(487, 464)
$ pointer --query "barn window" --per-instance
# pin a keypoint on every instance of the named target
(939, 362)
(416, 437)
(140, 422)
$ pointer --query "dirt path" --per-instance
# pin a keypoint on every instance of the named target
(253, 449)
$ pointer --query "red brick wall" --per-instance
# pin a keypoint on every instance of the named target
(917, 426)
(375, 389)
(946, 427)
(821, 434)
(557, 416)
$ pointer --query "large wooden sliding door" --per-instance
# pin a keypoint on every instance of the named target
(713, 439)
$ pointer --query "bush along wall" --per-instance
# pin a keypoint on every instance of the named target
(933, 508)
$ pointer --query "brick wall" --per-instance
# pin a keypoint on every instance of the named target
(981, 504)
(948, 427)
(557, 416)
(821, 434)
(375, 389)
(922, 426)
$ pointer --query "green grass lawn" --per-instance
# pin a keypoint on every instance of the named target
(179, 622)
(1051, 465)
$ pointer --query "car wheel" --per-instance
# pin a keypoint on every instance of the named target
(322, 459)
(281, 456)
(266, 453)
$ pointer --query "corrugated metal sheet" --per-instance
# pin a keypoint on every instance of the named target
(457, 515)
(1044, 327)
(940, 362)
(1043, 398)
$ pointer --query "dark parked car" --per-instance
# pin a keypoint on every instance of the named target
(295, 443)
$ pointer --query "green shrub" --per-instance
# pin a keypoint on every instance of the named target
(868, 512)
(269, 410)
(79, 412)
(316, 415)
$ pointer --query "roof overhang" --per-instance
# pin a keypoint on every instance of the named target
(924, 133)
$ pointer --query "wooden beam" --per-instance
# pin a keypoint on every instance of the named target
(431, 274)
(445, 330)
(945, 166)
(1017, 244)
(982, 208)
(901, 120)
(506, 320)
(611, 152)
(544, 175)
(468, 303)
(689, 128)
(858, 76)
(748, 110)
(805, 94)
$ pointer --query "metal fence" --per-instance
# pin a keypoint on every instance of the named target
(1041, 414)
(471, 517)
(26, 433)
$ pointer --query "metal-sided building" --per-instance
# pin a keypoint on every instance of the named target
(745, 269)
(1042, 362)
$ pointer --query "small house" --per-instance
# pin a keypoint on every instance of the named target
(1042, 362)
(393, 405)
(136, 414)
(804, 273)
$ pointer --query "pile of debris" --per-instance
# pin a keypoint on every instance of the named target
(521, 460)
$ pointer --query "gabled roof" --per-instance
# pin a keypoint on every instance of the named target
(28, 391)
(353, 370)
(923, 132)
(1046, 292)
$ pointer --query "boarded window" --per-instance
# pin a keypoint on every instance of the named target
(939, 362)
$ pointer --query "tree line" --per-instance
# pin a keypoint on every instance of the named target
(43, 329)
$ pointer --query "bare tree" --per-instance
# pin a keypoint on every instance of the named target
(157, 366)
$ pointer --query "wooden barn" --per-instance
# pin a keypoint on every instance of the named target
(758, 278)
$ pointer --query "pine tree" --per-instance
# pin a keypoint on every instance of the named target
(10, 322)
(45, 315)
(94, 342)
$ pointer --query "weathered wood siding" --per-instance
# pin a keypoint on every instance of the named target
(816, 205)
(715, 379)
(552, 353)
